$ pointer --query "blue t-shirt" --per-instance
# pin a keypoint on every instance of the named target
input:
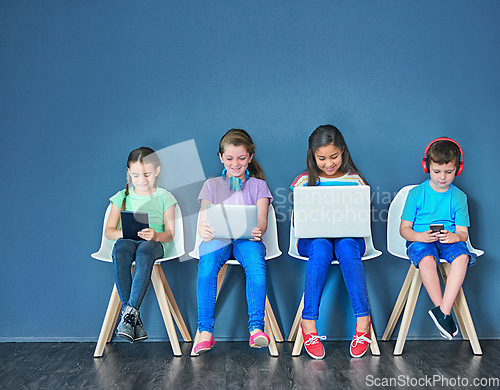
(424, 207)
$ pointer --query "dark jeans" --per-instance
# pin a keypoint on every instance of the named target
(144, 253)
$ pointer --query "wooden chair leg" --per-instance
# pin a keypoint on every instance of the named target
(196, 340)
(299, 342)
(268, 329)
(109, 322)
(113, 322)
(161, 296)
(220, 280)
(296, 322)
(374, 345)
(274, 324)
(399, 305)
(462, 308)
(174, 308)
(408, 313)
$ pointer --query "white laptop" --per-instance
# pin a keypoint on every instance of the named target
(331, 211)
(232, 221)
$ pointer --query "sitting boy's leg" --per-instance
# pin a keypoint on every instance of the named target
(454, 282)
(430, 279)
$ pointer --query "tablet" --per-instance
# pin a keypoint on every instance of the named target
(133, 222)
(232, 221)
(331, 211)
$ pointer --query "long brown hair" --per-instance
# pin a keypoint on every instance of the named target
(328, 135)
(143, 155)
(237, 137)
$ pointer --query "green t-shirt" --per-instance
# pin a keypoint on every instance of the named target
(155, 205)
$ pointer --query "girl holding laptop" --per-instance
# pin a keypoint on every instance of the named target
(329, 163)
(241, 183)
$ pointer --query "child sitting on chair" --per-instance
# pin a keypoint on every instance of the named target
(438, 202)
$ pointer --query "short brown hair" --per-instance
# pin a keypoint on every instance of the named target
(444, 152)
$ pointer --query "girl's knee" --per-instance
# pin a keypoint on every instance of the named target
(151, 250)
(207, 269)
(124, 247)
(321, 248)
(348, 248)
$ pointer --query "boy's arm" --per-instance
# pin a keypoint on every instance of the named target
(407, 232)
(461, 234)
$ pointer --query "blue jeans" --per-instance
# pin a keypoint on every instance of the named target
(213, 255)
(416, 251)
(144, 253)
(321, 251)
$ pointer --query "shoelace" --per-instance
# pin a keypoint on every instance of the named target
(314, 340)
(359, 339)
(129, 318)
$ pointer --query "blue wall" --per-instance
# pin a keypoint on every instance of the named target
(83, 83)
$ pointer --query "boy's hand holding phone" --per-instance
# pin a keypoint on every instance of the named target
(443, 235)
(428, 236)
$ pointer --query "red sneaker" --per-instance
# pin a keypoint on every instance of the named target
(312, 344)
(360, 343)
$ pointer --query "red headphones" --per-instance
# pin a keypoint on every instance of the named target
(424, 160)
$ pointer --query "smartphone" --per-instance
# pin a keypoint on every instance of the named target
(436, 227)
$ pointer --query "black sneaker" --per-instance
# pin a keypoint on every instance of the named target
(127, 324)
(139, 331)
(444, 323)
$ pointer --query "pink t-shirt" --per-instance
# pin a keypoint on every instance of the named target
(216, 191)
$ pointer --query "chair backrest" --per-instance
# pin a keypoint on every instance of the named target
(370, 251)
(396, 245)
(173, 250)
(270, 238)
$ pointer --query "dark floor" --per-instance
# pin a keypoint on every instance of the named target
(234, 365)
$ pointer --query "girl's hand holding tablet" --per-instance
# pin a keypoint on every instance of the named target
(147, 234)
(257, 234)
(206, 232)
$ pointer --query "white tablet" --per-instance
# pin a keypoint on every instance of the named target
(232, 221)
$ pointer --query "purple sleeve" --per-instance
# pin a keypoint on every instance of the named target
(206, 193)
(263, 191)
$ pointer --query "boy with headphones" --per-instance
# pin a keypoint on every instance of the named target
(435, 223)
